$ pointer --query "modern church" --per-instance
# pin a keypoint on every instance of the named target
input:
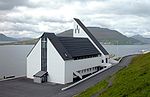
(62, 59)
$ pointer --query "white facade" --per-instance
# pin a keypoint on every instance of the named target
(55, 65)
(34, 60)
(59, 70)
(77, 65)
(63, 71)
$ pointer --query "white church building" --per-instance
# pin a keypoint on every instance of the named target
(60, 59)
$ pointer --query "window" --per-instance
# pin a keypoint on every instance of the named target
(90, 69)
(66, 55)
(102, 61)
(84, 57)
(44, 54)
(106, 60)
(82, 71)
(77, 29)
(44, 43)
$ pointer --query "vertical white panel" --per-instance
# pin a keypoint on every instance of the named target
(55, 65)
(34, 60)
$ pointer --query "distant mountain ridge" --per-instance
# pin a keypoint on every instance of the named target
(103, 35)
(106, 36)
(6, 38)
(142, 39)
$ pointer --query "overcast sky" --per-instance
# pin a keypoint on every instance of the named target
(30, 18)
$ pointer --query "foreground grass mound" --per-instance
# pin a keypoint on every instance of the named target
(131, 81)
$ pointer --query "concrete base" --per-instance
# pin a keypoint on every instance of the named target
(37, 80)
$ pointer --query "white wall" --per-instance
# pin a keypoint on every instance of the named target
(34, 60)
(55, 65)
(76, 65)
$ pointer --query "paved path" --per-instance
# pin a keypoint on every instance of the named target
(22, 87)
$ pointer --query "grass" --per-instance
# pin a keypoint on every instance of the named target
(93, 90)
(131, 81)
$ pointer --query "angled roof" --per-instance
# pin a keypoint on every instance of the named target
(58, 45)
(70, 47)
(77, 47)
(91, 36)
(33, 47)
(40, 74)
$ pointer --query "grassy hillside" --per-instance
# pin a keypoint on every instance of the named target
(131, 81)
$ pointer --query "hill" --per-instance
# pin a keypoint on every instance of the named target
(21, 42)
(6, 38)
(142, 39)
(106, 36)
(131, 81)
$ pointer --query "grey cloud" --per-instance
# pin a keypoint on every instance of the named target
(18, 27)
(33, 21)
(120, 7)
(128, 7)
(10, 4)
(129, 17)
(53, 19)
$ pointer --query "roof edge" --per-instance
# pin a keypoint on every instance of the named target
(58, 45)
(33, 47)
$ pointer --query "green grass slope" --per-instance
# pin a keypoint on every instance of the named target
(93, 90)
(131, 81)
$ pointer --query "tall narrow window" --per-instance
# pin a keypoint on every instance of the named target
(77, 26)
(78, 30)
(106, 60)
(102, 61)
(44, 54)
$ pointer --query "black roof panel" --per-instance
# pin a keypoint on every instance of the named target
(70, 47)
(78, 46)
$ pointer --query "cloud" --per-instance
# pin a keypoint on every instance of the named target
(8, 5)
(32, 17)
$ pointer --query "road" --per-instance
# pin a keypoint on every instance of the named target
(23, 87)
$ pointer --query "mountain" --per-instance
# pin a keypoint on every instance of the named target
(67, 33)
(142, 39)
(24, 38)
(106, 36)
(5, 38)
